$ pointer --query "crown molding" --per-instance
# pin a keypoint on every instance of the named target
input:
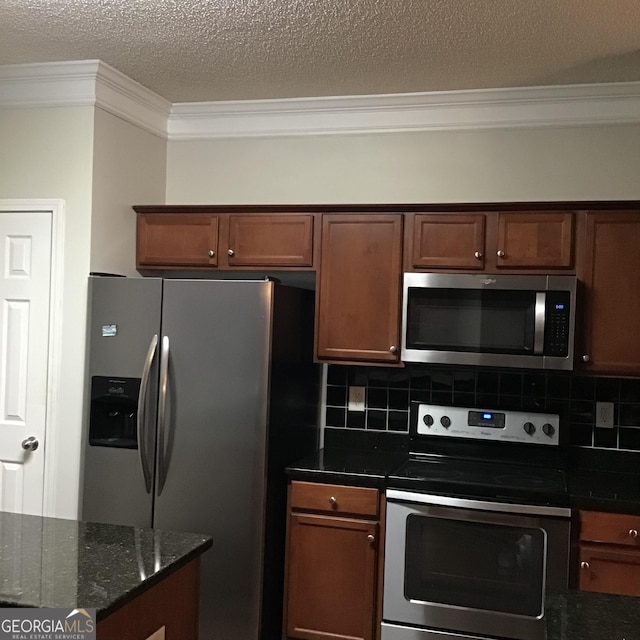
(83, 83)
(123, 97)
(95, 83)
(526, 107)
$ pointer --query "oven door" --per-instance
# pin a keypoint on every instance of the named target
(470, 566)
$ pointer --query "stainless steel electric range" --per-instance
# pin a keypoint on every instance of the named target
(478, 526)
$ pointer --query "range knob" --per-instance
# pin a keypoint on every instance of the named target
(445, 421)
(529, 428)
(428, 419)
(548, 429)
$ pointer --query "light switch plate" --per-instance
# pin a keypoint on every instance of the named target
(356, 399)
(604, 415)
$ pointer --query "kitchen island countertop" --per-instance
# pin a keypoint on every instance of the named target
(582, 615)
(50, 562)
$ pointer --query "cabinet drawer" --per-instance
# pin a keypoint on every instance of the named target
(333, 498)
(614, 528)
(608, 569)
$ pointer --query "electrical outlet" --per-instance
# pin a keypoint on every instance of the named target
(356, 399)
(604, 415)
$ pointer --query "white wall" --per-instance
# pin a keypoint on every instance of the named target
(592, 163)
(129, 167)
(48, 153)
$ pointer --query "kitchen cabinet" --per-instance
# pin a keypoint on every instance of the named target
(609, 277)
(509, 241)
(358, 291)
(169, 608)
(225, 241)
(609, 553)
(172, 240)
(332, 562)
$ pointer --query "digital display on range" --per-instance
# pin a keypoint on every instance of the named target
(486, 419)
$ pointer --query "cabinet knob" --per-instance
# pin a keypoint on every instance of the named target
(478, 255)
(585, 358)
(500, 253)
(633, 533)
(393, 348)
(211, 253)
(371, 538)
(333, 501)
(230, 252)
(584, 565)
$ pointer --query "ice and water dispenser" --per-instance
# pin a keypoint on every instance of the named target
(114, 408)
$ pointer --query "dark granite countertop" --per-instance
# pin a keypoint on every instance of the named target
(596, 480)
(581, 615)
(49, 562)
(368, 468)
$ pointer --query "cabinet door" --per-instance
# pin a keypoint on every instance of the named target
(610, 275)
(535, 240)
(446, 241)
(270, 240)
(176, 240)
(358, 292)
(607, 569)
(169, 608)
(331, 578)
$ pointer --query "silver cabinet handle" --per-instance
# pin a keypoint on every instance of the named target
(212, 253)
(162, 411)
(633, 533)
(333, 501)
(500, 253)
(231, 252)
(585, 358)
(30, 444)
(142, 414)
(393, 348)
(584, 565)
(371, 538)
(478, 255)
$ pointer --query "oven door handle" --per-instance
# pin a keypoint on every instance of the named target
(478, 505)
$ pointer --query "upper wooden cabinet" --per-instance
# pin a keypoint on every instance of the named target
(509, 241)
(445, 241)
(226, 241)
(358, 288)
(173, 240)
(609, 274)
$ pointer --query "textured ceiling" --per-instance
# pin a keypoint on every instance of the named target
(196, 50)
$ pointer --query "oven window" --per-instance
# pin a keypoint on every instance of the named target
(471, 320)
(475, 565)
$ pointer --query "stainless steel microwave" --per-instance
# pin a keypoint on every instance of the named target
(491, 320)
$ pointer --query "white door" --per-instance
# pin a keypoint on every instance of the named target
(25, 276)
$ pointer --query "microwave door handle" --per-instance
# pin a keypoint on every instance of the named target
(538, 335)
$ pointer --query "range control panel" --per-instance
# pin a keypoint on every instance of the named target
(488, 424)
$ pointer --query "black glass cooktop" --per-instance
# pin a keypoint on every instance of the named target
(497, 480)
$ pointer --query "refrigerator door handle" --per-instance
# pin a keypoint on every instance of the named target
(143, 432)
(162, 411)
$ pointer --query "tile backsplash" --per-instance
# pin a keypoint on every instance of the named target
(388, 393)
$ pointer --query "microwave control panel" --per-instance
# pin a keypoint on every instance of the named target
(488, 424)
(556, 323)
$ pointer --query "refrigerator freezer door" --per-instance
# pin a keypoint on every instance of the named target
(124, 317)
(213, 454)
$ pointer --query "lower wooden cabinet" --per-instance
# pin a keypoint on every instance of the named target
(609, 553)
(332, 563)
(170, 608)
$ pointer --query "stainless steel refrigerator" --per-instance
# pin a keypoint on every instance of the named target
(201, 391)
